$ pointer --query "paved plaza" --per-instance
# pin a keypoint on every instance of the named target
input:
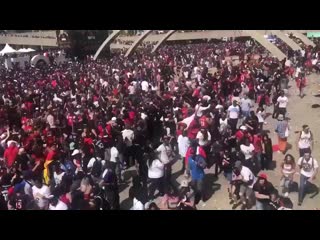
(300, 112)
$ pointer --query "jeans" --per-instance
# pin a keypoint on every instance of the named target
(266, 161)
(245, 114)
(198, 188)
(302, 187)
(260, 205)
(233, 124)
(259, 160)
(155, 184)
(285, 183)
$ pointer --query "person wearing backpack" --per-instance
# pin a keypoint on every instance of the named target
(197, 164)
(305, 141)
(308, 171)
(95, 167)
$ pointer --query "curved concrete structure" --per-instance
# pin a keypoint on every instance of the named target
(109, 39)
(268, 45)
(137, 42)
(168, 34)
(303, 38)
(287, 40)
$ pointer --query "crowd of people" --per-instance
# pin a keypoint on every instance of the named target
(70, 132)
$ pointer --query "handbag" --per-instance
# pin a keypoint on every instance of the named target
(287, 133)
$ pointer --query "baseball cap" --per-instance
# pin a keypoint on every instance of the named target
(263, 176)
(75, 152)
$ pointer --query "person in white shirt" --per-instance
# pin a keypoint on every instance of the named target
(282, 102)
(41, 194)
(183, 145)
(308, 171)
(128, 136)
(199, 109)
(233, 115)
(58, 175)
(247, 149)
(145, 86)
(204, 137)
(56, 204)
(166, 156)
(165, 151)
(131, 89)
(223, 123)
(115, 162)
(50, 120)
(155, 175)
(261, 115)
(247, 179)
(246, 105)
(137, 205)
(305, 140)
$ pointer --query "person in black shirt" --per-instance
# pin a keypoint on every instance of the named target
(279, 202)
(267, 152)
(22, 160)
(262, 190)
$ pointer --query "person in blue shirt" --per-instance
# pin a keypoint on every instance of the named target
(197, 176)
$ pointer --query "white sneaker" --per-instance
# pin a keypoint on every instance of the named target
(286, 194)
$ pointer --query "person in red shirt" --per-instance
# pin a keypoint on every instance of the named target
(193, 129)
(257, 143)
(301, 82)
(10, 154)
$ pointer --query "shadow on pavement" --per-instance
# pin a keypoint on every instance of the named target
(210, 185)
(273, 165)
(315, 105)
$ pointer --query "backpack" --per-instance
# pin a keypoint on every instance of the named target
(70, 167)
(101, 203)
(96, 170)
(200, 162)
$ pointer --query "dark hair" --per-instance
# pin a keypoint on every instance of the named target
(153, 206)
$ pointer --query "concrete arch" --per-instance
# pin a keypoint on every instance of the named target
(106, 42)
(168, 34)
(264, 42)
(287, 40)
(137, 42)
(303, 38)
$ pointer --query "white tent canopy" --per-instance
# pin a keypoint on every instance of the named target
(23, 50)
(31, 50)
(7, 49)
